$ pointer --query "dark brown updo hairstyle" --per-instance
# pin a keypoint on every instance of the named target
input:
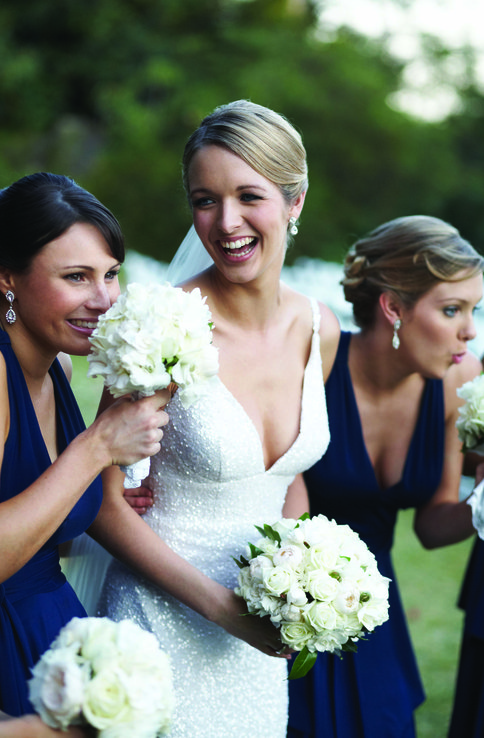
(41, 207)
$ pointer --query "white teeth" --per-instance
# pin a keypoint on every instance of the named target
(84, 324)
(237, 244)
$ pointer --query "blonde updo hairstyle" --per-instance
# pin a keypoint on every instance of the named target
(406, 256)
(265, 140)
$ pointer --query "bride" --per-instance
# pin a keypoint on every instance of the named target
(228, 461)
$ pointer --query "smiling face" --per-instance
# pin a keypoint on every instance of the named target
(240, 216)
(70, 283)
(435, 331)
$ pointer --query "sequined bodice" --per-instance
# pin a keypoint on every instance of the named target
(209, 481)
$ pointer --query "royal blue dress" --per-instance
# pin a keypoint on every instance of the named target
(37, 600)
(468, 710)
(373, 693)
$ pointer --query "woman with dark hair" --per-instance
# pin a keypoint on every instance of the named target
(392, 406)
(60, 254)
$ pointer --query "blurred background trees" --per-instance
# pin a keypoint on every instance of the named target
(107, 91)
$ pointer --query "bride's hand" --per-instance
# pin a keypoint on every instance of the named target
(257, 632)
(139, 498)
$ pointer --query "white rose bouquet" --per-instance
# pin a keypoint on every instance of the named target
(470, 427)
(470, 423)
(152, 336)
(112, 676)
(318, 582)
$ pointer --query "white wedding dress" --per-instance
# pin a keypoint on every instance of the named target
(210, 489)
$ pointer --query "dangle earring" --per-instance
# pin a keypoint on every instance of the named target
(11, 315)
(293, 229)
(396, 327)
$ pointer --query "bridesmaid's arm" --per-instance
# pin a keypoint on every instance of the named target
(297, 500)
(444, 519)
(125, 433)
(31, 726)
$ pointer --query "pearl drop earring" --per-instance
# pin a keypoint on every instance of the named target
(395, 339)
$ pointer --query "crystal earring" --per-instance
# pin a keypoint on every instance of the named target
(396, 327)
(11, 315)
(293, 229)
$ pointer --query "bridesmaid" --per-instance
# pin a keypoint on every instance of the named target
(392, 405)
(468, 710)
(60, 254)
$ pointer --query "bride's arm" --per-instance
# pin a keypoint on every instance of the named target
(297, 500)
(128, 537)
(329, 334)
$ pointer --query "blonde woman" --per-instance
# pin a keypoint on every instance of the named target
(227, 462)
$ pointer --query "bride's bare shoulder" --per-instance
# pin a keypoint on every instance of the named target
(329, 327)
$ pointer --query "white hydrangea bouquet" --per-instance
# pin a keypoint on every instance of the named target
(152, 336)
(318, 582)
(470, 427)
(470, 423)
(112, 676)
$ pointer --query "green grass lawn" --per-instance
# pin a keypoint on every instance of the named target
(429, 583)
(86, 389)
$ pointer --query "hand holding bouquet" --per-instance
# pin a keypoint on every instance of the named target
(318, 582)
(112, 676)
(152, 336)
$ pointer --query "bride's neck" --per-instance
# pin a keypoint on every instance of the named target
(253, 305)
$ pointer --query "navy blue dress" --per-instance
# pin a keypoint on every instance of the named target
(468, 711)
(373, 693)
(37, 600)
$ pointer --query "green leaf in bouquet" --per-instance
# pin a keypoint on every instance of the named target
(304, 516)
(242, 562)
(269, 532)
(254, 551)
(351, 646)
(303, 662)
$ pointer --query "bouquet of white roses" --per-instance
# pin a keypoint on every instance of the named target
(318, 582)
(152, 336)
(470, 427)
(470, 423)
(112, 676)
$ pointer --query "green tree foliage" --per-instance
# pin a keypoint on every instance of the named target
(463, 205)
(108, 91)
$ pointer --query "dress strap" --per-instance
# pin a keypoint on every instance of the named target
(316, 314)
